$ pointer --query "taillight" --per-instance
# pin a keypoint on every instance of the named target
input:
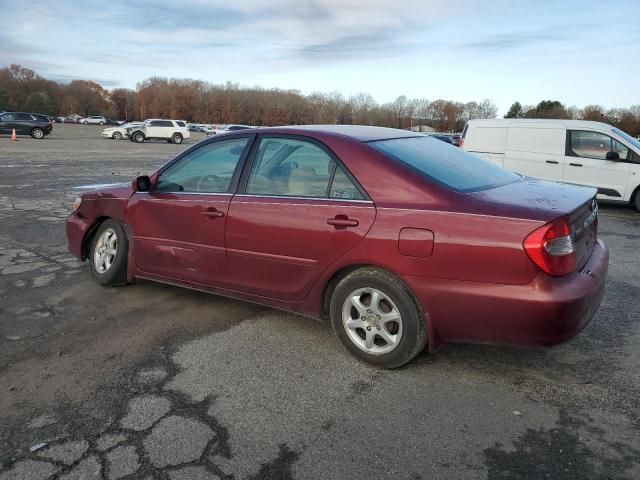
(551, 248)
(462, 142)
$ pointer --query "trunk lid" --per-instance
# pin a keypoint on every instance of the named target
(545, 201)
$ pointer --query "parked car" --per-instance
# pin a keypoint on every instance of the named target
(196, 128)
(442, 138)
(399, 239)
(36, 125)
(94, 120)
(173, 131)
(573, 151)
(227, 129)
(455, 138)
(119, 132)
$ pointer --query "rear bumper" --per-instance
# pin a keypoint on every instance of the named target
(547, 311)
(77, 229)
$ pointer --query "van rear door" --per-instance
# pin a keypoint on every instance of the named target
(536, 150)
(487, 142)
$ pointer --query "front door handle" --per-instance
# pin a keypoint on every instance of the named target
(554, 162)
(575, 164)
(342, 221)
(213, 213)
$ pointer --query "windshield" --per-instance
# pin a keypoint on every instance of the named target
(628, 138)
(447, 165)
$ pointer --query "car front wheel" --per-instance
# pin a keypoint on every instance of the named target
(117, 136)
(176, 138)
(138, 137)
(108, 254)
(636, 202)
(37, 133)
(376, 317)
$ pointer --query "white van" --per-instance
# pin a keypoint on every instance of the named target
(572, 151)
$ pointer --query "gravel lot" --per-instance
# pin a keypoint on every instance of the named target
(153, 381)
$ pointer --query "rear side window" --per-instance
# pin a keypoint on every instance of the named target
(343, 187)
(289, 167)
(161, 123)
(181, 124)
(445, 164)
(23, 116)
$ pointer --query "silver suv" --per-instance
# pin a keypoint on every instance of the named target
(173, 131)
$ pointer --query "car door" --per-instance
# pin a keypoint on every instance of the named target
(178, 227)
(299, 211)
(23, 123)
(586, 163)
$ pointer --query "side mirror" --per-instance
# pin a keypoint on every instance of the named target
(142, 184)
(613, 156)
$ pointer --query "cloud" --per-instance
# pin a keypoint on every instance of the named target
(508, 41)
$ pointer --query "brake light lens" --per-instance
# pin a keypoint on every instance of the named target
(552, 249)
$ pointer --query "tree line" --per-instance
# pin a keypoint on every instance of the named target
(198, 101)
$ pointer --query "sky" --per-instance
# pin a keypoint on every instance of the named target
(579, 52)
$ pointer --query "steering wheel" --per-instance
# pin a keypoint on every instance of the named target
(207, 183)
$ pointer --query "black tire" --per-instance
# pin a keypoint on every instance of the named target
(138, 137)
(116, 136)
(636, 200)
(176, 138)
(116, 274)
(37, 133)
(414, 326)
(101, 123)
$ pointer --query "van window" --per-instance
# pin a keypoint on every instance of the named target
(445, 164)
(595, 145)
(537, 140)
(486, 139)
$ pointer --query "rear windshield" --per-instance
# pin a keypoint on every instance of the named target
(447, 165)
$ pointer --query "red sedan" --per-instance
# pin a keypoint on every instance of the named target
(399, 239)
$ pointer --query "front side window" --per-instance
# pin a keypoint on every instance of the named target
(8, 117)
(445, 164)
(289, 167)
(595, 145)
(208, 169)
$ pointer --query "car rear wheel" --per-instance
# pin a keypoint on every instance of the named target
(138, 137)
(117, 136)
(37, 133)
(108, 254)
(636, 202)
(176, 138)
(376, 317)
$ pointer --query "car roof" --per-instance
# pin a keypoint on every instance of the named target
(361, 133)
(504, 122)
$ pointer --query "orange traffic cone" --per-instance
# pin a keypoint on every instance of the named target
(13, 136)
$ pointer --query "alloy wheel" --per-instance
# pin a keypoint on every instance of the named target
(105, 250)
(372, 321)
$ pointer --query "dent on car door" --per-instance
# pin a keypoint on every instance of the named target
(586, 163)
(178, 227)
(300, 212)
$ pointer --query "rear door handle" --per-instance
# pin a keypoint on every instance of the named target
(213, 213)
(575, 164)
(342, 221)
(555, 162)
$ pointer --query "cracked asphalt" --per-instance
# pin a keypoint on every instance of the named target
(151, 381)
